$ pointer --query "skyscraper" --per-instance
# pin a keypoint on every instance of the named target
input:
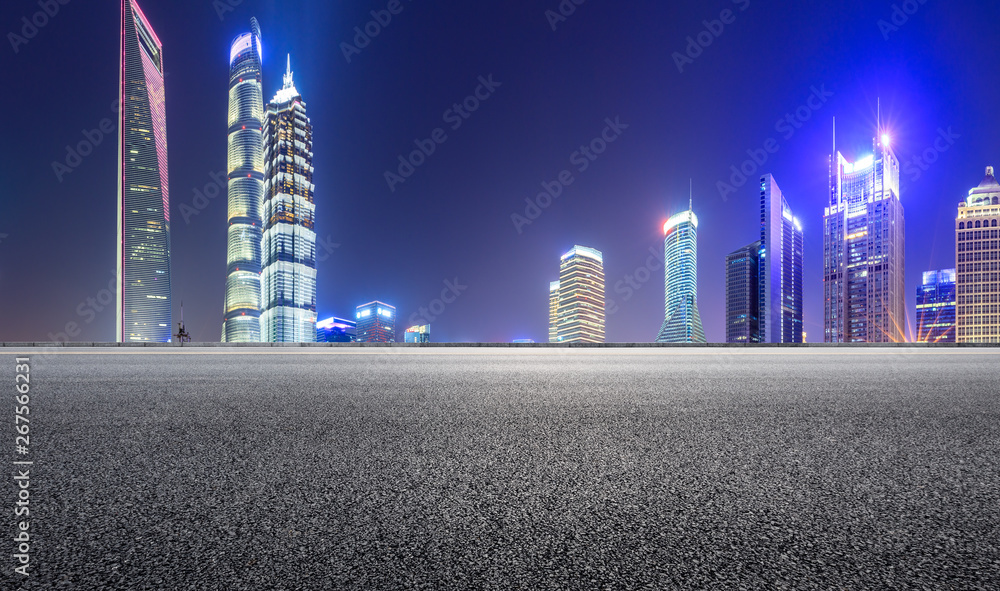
(143, 253)
(376, 323)
(863, 250)
(418, 334)
(580, 313)
(742, 303)
(780, 274)
(241, 322)
(978, 257)
(336, 330)
(554, 312)
(289, 247)
(936, 307)
(681, 322)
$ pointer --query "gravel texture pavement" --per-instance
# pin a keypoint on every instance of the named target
(511, 469)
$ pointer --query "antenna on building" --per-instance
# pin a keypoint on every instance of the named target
(834, 154)
(878, 103)
(690, 194)
(288, 72)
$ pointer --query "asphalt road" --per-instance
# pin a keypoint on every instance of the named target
(510, 469)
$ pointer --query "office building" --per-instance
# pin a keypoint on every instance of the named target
(418, 334)
(780, 261)
(142, 302)
(553, 311)
(936, 307)
(289, 243)
(336, 330)
(241, 319)
(580, 314)
(863, 250)
(977, 258)
(742, 303)
(682, 321)
(376, 323)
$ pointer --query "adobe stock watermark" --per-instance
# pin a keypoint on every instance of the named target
(363, 36)
(581, 160)
(204, 196)
(224, 6)
(787, 126)
(452, 290)
(325, 248)
(900, 15)
(30, 25)
(92, 138)
(917, 165)
(454, 117)
(713, 29)
(563, 11)
(634, 281)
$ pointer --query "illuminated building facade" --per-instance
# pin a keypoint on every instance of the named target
(936, 307)
(289, 245)
(336, 330)
(742, 303)
(863, 250)
(376, 323)
(418, 334)
(780, 268)
(143, 252)
(241, 323)
(977, 259)
(681, 322)
(580, 311)
(554, 312)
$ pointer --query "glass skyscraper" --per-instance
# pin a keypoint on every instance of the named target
(779, 280)
(554, 312)
(376, 323)
(863, 250)
(681, 322)
(289, 247)
(580, 314)
(336, 330)
(742, 295)
(977, 258)
(936, 307)
(246, 180)
(143, 253)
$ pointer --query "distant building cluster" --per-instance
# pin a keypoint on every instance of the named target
(270, 293)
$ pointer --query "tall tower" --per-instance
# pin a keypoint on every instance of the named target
(977, 255)
(780, 262)
(581, 296)
(681, 322)
(742, 304)
(246, 181)
(143, 266)
(553, 311)
(289, 249)
(376, 323)
(863, 250)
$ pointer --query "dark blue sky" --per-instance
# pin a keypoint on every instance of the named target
(452, 218)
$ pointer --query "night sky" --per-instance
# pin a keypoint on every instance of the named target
(451, 220)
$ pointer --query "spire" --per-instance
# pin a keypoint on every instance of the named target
(288, 73)
(690, 194)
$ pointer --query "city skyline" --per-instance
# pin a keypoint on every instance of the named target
(619, 201)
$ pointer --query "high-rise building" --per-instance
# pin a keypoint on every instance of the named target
(376, 323)
(978, 257)
(681, 322)
(936, 307)
(241, 322)
(418, 334)
(336, 330)
(580, 313)
(742, 303)
(289, 245)
(553, 311)
(143, 267)
(863, 250)
(779, 281)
